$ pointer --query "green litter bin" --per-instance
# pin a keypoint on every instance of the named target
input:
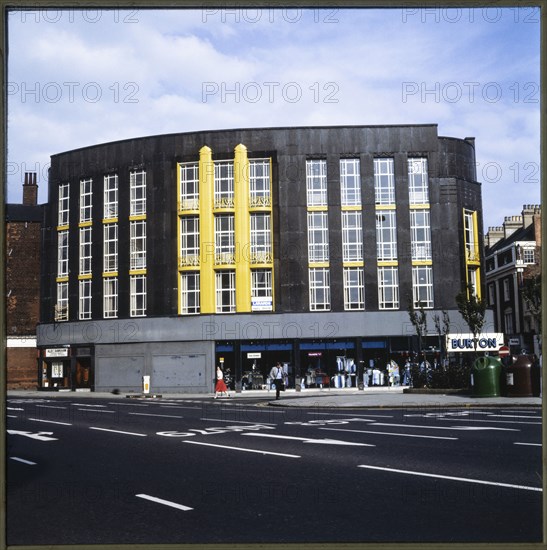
(486, 377)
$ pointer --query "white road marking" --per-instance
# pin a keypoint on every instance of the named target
(96, 411)
(179, 407)
(49, 407)
(23, 460)
(86, 405)
(14, 409)
(451, 478)
(512, 416)
(389, 433)
(128, 404)
(40, 436)
(166, 502)
(242, 449)
(310, 440)
(238, 421)
(117, 431)
(442, 427)
(11, 416)
(359, 416)
(531, 444)
(150, 414)
(452, 419)
(50, 421)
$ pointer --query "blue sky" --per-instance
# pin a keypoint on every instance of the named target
(84, 77)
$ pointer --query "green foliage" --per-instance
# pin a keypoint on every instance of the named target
(472, 309)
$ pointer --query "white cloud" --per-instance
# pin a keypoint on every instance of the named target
(171, 71)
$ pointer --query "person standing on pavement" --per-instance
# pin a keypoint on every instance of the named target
(221, 385)
(276, 374)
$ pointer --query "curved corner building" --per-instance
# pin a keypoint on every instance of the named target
(168, 255)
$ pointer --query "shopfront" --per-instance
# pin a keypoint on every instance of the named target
(66, 369)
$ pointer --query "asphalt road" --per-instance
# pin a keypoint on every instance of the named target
(83, 471)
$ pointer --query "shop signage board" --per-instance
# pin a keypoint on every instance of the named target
(254, 355)
(261, 304)
(457, 342)
(57, 352)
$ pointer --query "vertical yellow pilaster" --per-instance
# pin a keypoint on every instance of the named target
(207, 230)
(242, 229)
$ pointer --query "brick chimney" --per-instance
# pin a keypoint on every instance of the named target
(511, 224)
(30, 189)
(494, 235)
(537, 228)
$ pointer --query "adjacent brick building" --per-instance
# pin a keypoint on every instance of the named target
(23, 244)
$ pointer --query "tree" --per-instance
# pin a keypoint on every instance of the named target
(472, 309)
(418, 320)
(442, 330)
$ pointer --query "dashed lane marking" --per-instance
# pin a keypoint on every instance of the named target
(16, 458)
(451, 478)
(165, 502)
(389, 433)
(116, 431)
(257, 451)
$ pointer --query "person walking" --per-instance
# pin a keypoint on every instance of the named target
(276, 374)
(221, 385)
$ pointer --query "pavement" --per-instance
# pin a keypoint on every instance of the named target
(371, 397)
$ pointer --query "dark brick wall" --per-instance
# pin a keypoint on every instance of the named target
(22, 369)
(22, 299)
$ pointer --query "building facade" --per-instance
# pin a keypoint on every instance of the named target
(512, 256)
(23, 252)
(168, 255)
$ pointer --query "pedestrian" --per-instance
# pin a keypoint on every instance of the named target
(276, 374)
(221, 385)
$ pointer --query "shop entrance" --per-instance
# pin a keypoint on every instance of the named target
(83, 374)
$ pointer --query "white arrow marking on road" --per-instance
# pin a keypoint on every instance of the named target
(308, 440)
(41, 436)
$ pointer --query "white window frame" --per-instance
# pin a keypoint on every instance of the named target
(84, 299)
(418, 186)
(62, 253)
(110, 297)
(189, 293)
(86, 200)
(137, 244)
(318, 237)
(529, 255)
(506, 290)
(469, 233)
(386, 235)
(491, 294)
(350, 182)
(225, 285)
(259, 183)
(64, 204)
(137, 291)
(224, 184)
(319, 288)
(420, 234)
(316, 182)
(61, 307)
(261, 246)
(110, 247)
(189, 186)
(352, 236)
(85, 250)
(110, 194)
(189, 240)
(224, 239)
(422, 290)
(508, 321)
(388, 287)
(261, 283)
(354, 288)
(384, 181)
(137, 185)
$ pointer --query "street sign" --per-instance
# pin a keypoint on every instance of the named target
(504, 351)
